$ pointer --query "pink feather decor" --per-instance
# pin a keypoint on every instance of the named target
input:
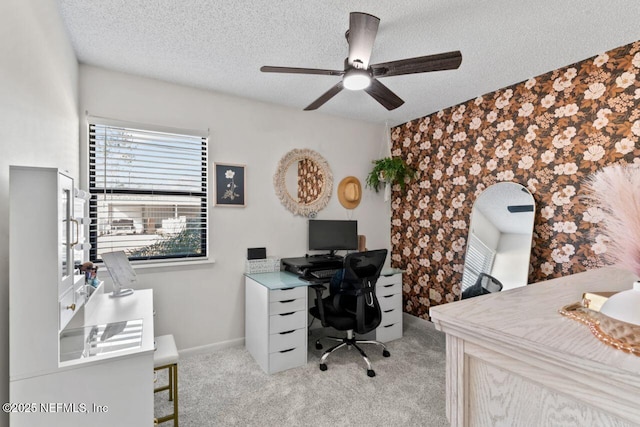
(615, 189)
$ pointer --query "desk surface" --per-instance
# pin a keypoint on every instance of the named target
(285, 279)
(278, 280)
(105, 309)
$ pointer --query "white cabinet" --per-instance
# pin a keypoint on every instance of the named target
(41, 297)
(46, 299)
(66, 229)
(276, 324)
(389, 294)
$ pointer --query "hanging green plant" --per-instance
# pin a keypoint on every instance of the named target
(389, 169)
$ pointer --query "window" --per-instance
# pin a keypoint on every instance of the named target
(479, 259)
(149, 192)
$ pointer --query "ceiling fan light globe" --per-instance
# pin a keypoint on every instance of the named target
(355, 79)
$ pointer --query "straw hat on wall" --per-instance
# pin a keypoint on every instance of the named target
(349, 192)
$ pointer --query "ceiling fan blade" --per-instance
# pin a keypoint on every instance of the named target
(362, 33)
(384, 95)
(325, 97)
(293, 70)
(421, 64)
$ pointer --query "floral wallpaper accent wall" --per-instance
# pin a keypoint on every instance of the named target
(310, 181)
(548, 134)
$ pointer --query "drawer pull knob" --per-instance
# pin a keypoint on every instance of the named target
(286, 289)
(72, 307)
(286, 351)
(287, 314)
(389, 311)
(287, 332)
(287, 301)
(388, 286)
(388, 326)
(387, 296)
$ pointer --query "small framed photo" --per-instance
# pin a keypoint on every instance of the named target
(230, 184)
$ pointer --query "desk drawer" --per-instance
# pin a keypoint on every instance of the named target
(389, 316)
(287, 321)
(287, 340)
(287, 306)
(388, 288)
(66, 300)
(389, 332)
(287, 294)
(388, 302)
(286, 359)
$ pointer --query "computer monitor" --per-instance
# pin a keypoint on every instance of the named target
(333, 235)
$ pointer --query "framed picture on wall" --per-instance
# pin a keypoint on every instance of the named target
(230, 184)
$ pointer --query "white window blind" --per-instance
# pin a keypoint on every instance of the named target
(149, 193)
(479, 259)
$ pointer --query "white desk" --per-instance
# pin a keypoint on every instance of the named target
(276, 316)
(120, 382)
(513, 360)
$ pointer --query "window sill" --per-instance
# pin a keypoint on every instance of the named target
(151, 265)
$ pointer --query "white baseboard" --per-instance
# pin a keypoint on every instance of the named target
(208, 348)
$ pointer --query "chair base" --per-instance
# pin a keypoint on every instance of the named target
(350, 341)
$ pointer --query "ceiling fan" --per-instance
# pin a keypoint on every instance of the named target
(358, 74)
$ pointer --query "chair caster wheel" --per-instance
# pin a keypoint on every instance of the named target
(385, 353)
(323, 366)
(318, 345)
(371, 372)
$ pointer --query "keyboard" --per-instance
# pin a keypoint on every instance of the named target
(324, 274)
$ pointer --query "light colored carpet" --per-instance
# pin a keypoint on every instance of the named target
(228, 388)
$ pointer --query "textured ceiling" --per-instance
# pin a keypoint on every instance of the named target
(221, 45)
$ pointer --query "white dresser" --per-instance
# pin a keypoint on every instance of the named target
(276, 307)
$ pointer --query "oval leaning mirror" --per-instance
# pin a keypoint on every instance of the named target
(500, 236)
(303, 182)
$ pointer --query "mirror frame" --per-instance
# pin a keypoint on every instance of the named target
(279, 182)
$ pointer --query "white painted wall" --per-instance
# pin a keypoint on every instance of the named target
(511, 265)
(38, 118)
(204, 304)
(484, 229)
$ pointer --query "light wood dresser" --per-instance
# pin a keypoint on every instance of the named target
(513, 360)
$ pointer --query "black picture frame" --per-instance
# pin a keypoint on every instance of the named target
(230, 185)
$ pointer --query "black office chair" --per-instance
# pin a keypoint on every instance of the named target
(352, 306)
(485, 284)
